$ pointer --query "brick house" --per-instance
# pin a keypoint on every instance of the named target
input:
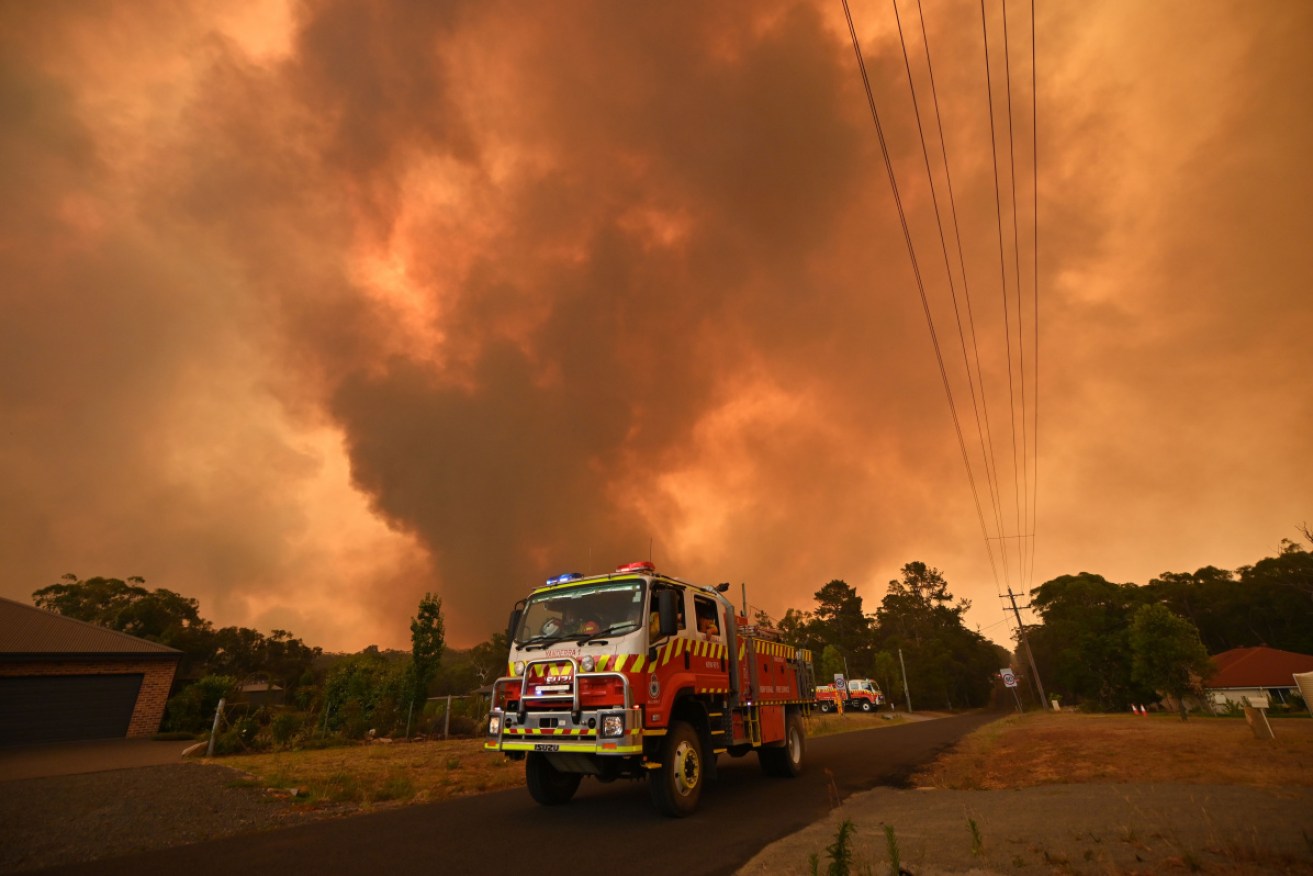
(63, 679)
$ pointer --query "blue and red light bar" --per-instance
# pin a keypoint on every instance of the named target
(562, 578)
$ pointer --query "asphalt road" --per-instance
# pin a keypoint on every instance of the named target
(741, 812)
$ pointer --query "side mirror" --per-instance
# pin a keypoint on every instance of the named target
(514, 622)
(668, 612)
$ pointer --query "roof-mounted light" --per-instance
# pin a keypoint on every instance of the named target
(566, 576)
(638, 567)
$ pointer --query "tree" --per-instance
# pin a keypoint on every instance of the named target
(367, 691)
(839, 622)
(796, 629)
(427, 637)
(173, 619)
(1167, 655)
(921, 617)
(489, 658)
(1082, 649)
(831, 665)
(126, 606)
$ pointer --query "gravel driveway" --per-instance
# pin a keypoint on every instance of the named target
(67, 819)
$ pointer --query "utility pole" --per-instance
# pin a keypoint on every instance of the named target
(1043, 701)
(906, 690)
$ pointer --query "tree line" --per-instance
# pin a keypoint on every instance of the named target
(917, 631)
(1101, 645)
(325, 696)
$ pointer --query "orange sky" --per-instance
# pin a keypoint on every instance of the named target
(312, 307)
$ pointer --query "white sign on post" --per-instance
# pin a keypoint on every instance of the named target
(1009, 679)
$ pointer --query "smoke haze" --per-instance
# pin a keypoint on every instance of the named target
(310, 308)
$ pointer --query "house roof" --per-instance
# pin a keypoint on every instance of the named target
(30, 632)
(1258, 667)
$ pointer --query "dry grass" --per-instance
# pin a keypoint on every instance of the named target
(379, 774)
(1068, 748)
(820, 724)
(372, 775)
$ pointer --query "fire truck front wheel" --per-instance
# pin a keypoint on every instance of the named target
(548, 785)
(676, 786)
(827, 707)
(866, 705)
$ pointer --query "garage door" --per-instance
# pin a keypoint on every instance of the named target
(62, 708)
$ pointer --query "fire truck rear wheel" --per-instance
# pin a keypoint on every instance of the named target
(548, 785)
(785, 760)
(677, 786)
(827, 707)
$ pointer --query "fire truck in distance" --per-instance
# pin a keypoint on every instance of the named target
(857, 693)
(639, 675)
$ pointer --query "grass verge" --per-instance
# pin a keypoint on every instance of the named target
(399, 773)
(1069, 748)
(377, 774)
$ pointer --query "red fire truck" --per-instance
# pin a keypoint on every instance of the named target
(857, 693)
(635, 674)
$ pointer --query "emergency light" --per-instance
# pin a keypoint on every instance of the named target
(562, 578)
(637, 567)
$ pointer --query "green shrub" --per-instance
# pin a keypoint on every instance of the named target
(192, 710)
(284, 728)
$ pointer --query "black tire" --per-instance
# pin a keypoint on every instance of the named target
(866, 705)
(677, 786)
(548, 785)
(827, 707)
(785, 759)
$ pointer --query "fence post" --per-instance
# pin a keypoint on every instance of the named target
(446, 718)
(214, 728)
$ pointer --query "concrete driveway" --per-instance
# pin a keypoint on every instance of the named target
(72, 758)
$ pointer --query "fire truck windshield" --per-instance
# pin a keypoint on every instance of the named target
(586, 612)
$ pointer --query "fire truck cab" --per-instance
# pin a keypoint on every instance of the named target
(640, 675)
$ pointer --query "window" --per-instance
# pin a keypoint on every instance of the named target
(708, 624)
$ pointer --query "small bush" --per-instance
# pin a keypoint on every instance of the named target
(192, 710)
(398, 787)
(284, 728)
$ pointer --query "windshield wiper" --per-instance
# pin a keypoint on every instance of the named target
(539, 642)
(623, 626)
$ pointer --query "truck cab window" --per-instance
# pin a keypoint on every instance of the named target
(708, 623)
(654, 620)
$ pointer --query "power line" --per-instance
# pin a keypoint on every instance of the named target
(943, 244)
(1034, 148)
(1002, 263)
(916, 268)
(987, 442)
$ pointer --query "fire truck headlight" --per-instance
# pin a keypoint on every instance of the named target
(494, 725)
(613, 725)
(588, 664)
(519, 667)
